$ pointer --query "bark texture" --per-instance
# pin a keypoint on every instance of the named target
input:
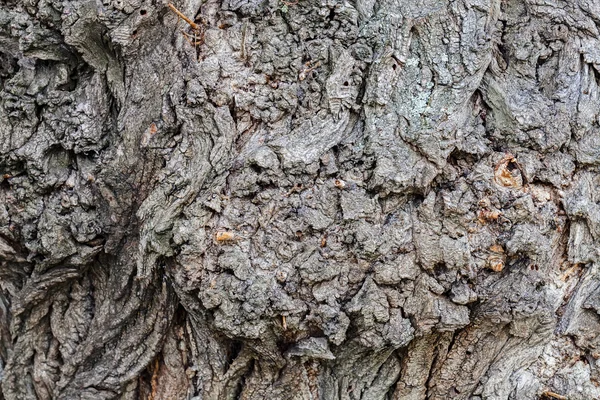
(321, 199)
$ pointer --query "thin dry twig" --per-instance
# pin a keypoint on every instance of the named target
(196, 36)
(194, 25)
(557, 396)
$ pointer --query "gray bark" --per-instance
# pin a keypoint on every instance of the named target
(326, 199)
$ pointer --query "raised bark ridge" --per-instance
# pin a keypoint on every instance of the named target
(311, 200)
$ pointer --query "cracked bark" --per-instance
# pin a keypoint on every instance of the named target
(314, 200)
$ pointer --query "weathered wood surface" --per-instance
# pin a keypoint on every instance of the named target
(328, 199)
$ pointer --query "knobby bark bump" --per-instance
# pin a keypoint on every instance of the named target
(320, 199)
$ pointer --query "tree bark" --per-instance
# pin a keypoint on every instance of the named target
(318, 199)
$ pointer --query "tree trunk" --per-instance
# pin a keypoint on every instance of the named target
(317, 199)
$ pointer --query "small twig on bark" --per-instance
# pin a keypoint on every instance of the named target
(553, 395)
(196, 37)
(194, 25)
(243, 46)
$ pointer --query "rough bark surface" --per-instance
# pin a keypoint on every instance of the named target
(323, 199)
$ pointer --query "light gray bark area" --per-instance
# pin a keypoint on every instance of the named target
(328, 199)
